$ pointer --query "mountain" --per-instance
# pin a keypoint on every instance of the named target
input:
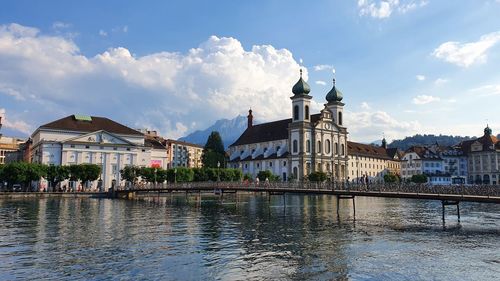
(418, 139)
(229, 130)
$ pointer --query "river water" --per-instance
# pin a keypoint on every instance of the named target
(246, 239)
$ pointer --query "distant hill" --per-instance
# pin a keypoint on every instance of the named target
(229, 130)
(427, 139)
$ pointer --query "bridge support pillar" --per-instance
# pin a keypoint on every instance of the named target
(445, 203)
(340, 197)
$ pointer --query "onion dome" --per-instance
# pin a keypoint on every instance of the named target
(301, 87)
(334, 95)
(487, 131)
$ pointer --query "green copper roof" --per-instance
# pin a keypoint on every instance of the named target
(301, 87)
(335, 95)
(487, 130)
(80, 117)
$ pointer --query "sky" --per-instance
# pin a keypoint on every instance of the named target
(404, 66)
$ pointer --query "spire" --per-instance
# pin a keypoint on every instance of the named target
(335, 95)
(384, 142)
(301, 87)
(487, 130)
(250, 118)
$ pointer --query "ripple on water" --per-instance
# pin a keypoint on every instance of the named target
(390, 239)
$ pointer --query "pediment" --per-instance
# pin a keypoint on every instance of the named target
(99, 137)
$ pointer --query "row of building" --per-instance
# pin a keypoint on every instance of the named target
(305, 143)
(290, 148)
(78, 139)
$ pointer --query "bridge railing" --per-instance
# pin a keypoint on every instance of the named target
(476, 190)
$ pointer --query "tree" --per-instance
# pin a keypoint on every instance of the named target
(180, 174)
(263, 175)
(14, 173)
(200, 174)
(248, 177)
(419, 178)
(56, 174)
(390, 178)
(89, 172)
(130, 173)
(317, 176)
(213, 152)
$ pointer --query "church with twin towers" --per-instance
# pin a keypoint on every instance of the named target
(293, 148)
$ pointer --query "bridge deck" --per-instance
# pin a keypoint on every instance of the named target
(483, 194)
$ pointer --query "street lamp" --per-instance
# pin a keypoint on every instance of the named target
(218, 171)
(175, 175)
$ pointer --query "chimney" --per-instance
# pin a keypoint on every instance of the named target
(250, 119)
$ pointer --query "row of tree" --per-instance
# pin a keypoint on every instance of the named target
(134, 174)
(24, 173)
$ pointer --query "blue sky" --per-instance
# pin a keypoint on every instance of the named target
(405, 67)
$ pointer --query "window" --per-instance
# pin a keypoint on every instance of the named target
(319, 146)
(270, 164)
(296, 112)
(87, 146)
(284, 163)
(278, 148)
(327, 146)
(295, 146)
(114, 148)
(307, 113)
(337, 149)
(128, 149)
(340, 118)
(343, 149)
(72, 146)
(308, 146)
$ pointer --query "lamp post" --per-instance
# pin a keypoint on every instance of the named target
(218, 171)
(175, 175)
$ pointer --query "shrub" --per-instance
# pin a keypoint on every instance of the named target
(317, 176)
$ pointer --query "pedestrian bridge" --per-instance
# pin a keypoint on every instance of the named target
(447, 194)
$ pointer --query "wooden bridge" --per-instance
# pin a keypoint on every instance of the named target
(447, 194)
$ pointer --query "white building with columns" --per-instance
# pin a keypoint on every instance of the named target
(295, 147)
(78, 139)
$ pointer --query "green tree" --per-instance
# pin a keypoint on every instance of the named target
(130, 173)
(391, 178)
(248, 177)
(200, 174)
(317, 176)
(180, 174)
(14, 173)
(419, 178)
(237, 175)
(89, 173)
(57, 174)
(263, 175)
(213, 152)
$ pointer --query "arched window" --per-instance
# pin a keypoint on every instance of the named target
(340, 118)
(327, 146)
(308, 146)
(307, 113)
(319, 146)
(295, 172)
(342, 149)
(336, 148)
(296, 112)
(295, 146)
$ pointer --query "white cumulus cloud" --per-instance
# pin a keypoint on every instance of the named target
(321, 67)
(320, 82)
(165, 91)
(424, 99)
(420, 77)
(385, 8)
(14, 124)
(369, 125)
(466, 54)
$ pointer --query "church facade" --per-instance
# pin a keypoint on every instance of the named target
(293, 148)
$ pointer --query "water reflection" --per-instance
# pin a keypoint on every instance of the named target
(171, 238)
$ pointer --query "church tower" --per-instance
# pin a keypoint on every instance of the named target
(300, 132)
(301, 101)
(334, 99)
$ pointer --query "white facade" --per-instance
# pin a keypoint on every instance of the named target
(112, 152)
